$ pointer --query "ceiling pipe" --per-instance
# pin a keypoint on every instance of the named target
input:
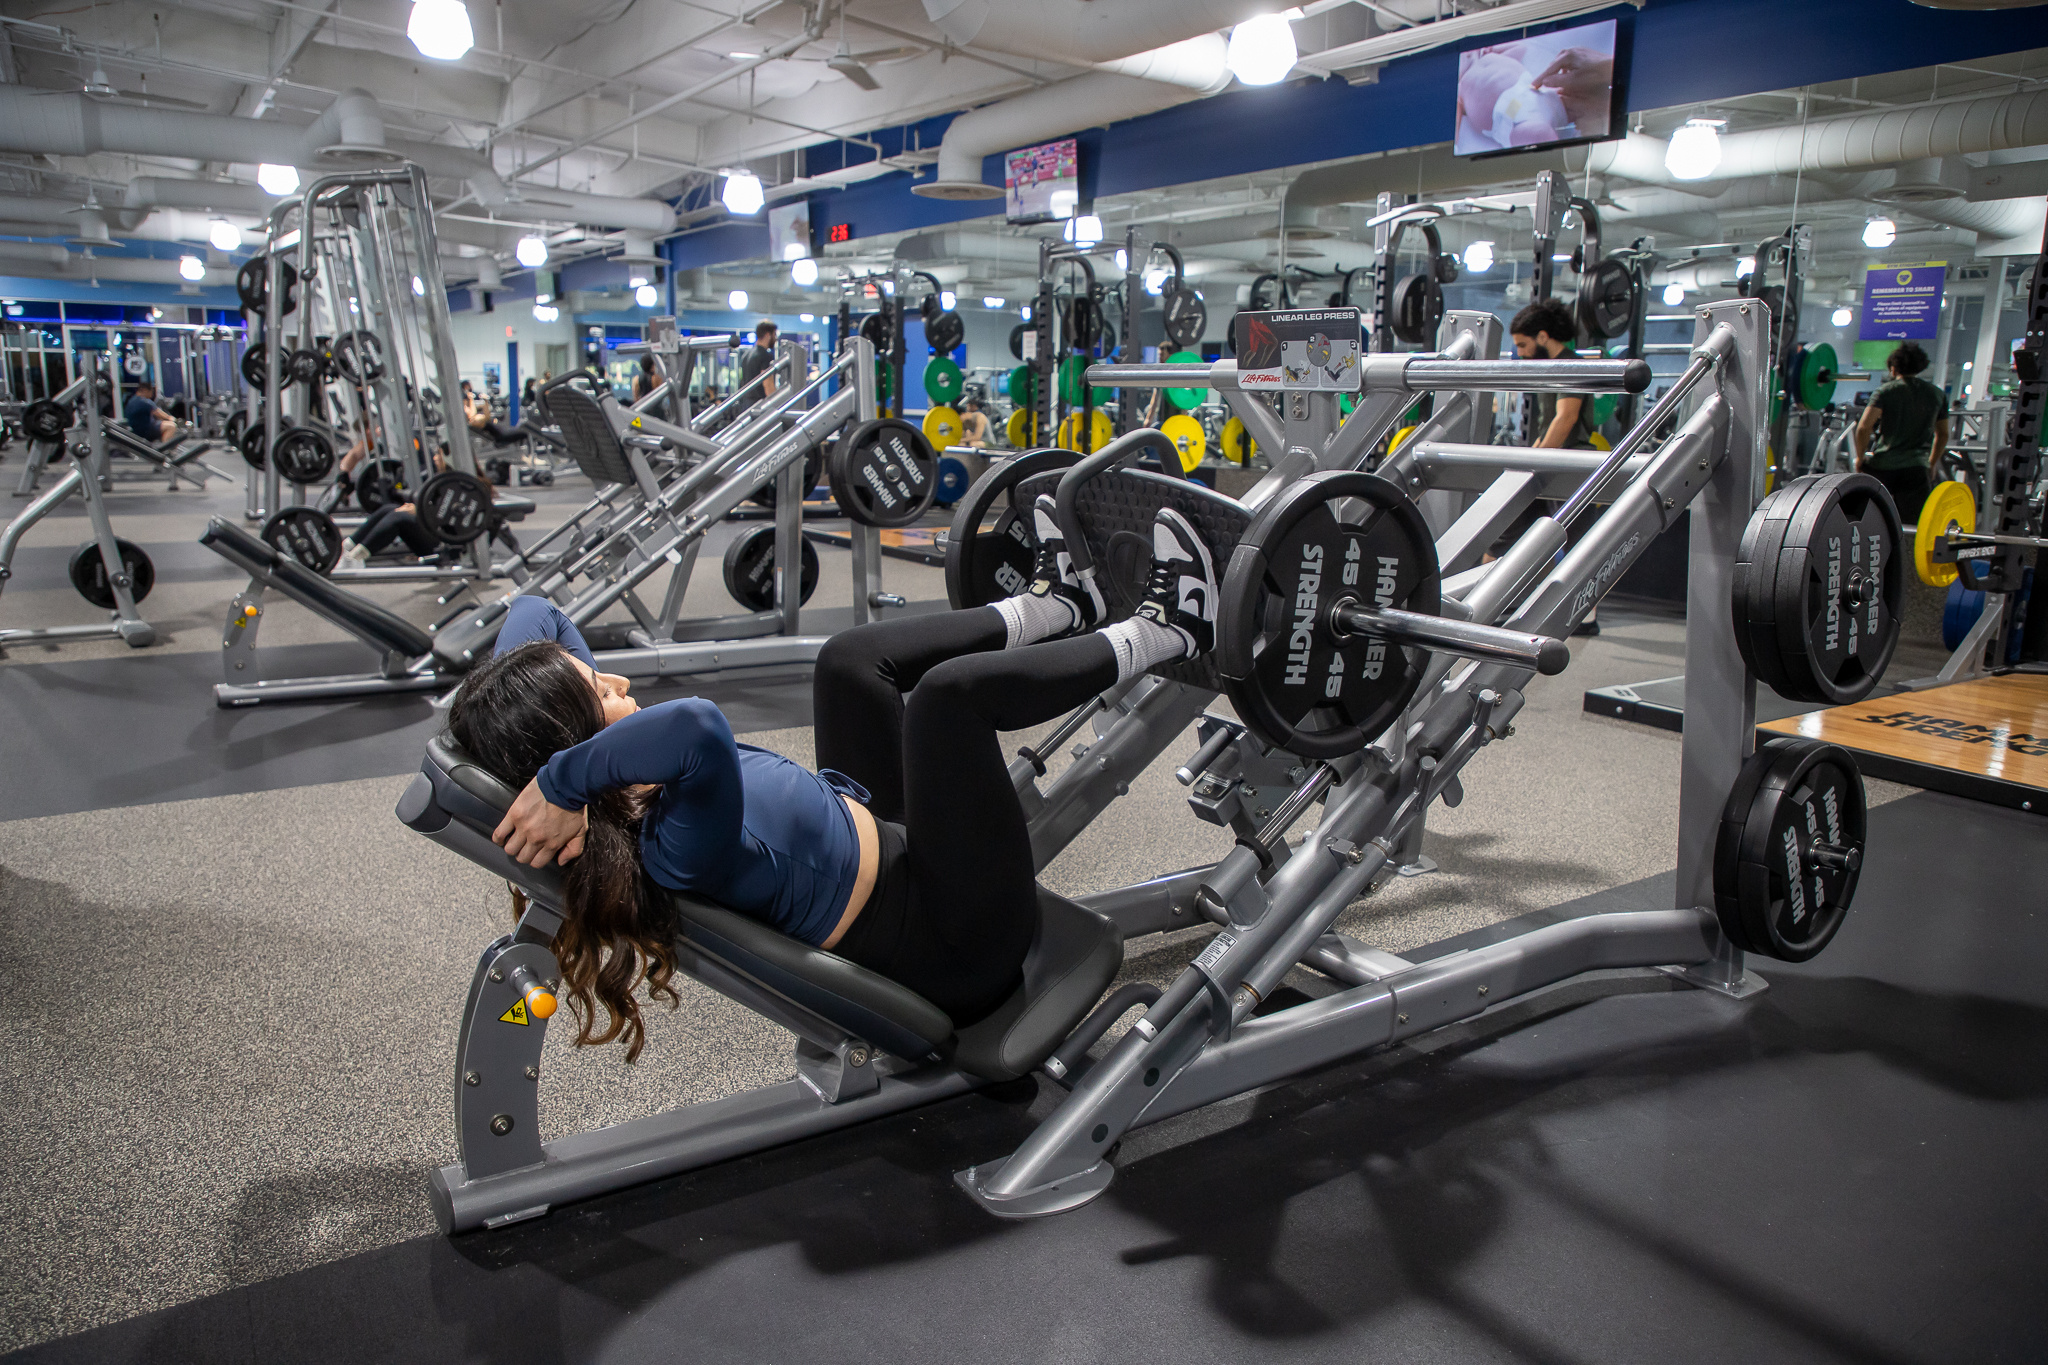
(1174, 75)
(1086, 32)
(349, 132)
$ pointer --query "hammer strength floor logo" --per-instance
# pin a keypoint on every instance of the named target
(1962, 732)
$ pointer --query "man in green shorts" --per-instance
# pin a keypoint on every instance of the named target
(1909, 419)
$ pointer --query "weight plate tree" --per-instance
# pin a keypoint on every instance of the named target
(884, 473)
(454, 507)
(88, 572)
(1300, 681)
(750, 569)
(1949, 508)
(1789, 848)
(986, 563)
(306, 536)
(1819, 586)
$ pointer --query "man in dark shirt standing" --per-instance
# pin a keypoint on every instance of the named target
(758, 357)
(146, 419)
(1545, 331)
(1909, 418)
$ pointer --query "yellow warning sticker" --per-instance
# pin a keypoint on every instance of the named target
(636, 424)
(515, 1015)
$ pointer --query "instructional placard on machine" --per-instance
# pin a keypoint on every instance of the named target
(1299, 348)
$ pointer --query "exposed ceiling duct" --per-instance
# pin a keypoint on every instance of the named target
(1127, 88)
(350, 132)
(1086, 32)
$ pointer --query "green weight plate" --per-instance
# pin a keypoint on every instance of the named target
(881, 378)
(1603, 410)
(1072, 371)
(943, 380)
(1023, 386)
(1817, 369)
(1187, 399)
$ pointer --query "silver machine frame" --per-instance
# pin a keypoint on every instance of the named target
(89, 458)
(1200, 1040)
(626, 536)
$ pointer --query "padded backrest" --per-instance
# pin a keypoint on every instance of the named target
(893, 1018)
(588, 432)
(352, 612)
(1116, 510)
(1073, 958)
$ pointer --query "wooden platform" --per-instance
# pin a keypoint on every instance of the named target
(1987, 739)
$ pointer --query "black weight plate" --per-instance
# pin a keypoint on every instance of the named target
(814, 470)
(251, 444)
(750, 569)
(945, 332)
(380, 483)
(303, 454)
(987, 565)
(237, 420)
(1607, 300)
(359, 356)
(1418, 307)
(305, 535)
(884, 473)
(252, 283)
(1790, 849)
(88, 572)
(1017, 339)
(44, 420)
(254, 361)
(1184, 316)
(307, 367)
(875, 327)
(1295, 680)
(1823, 626)
(1083, 318)
(454, 507)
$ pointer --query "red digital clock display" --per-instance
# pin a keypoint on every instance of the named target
(839, 232)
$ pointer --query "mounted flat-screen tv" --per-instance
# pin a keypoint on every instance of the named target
(1552, 90)
(1042, 183)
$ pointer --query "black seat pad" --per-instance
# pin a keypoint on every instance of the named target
(348, 610)
(512, 507)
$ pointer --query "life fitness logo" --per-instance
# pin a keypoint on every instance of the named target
(1905, 277)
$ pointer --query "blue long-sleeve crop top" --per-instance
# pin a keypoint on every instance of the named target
(748, 829)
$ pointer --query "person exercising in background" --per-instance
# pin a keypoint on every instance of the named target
(1908, 416)
(907, 852)
(758, 358)
(1545, 331)
(644, 382)
(147, 418)
(973, 425)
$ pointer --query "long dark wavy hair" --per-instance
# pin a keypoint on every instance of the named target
(514, 713)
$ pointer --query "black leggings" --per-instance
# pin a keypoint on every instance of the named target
(387, 524)
(1909, 488)
(910, 709)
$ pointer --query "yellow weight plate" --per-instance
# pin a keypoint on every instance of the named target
(1403, 434)
(1070, 432)
(1236, 442)
(942, 427)
(1950, 502)
(1022, 429)
(1187, 437)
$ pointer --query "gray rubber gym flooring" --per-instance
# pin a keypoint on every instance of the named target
(235, 981)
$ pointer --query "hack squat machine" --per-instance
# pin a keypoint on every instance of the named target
(1367, 660)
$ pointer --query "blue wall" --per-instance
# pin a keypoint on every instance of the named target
(1682, 51)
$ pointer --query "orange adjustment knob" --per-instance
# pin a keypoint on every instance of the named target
(540, 1001)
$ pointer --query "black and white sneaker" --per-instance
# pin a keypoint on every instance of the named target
(1054, 576)
(1182, 593)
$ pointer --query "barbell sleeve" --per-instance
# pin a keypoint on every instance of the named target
(1546, 654)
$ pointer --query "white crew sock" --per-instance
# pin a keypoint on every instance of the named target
(1029, 618)
(1141, 643)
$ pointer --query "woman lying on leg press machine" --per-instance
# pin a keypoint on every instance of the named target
(907, 853)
